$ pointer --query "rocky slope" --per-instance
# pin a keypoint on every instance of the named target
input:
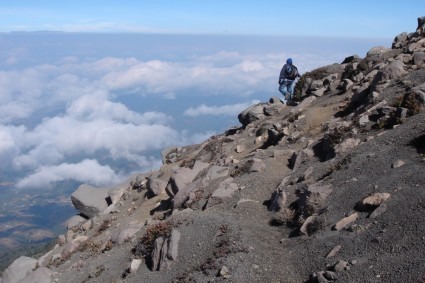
(330, 190)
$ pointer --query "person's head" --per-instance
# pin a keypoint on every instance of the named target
(289, 61)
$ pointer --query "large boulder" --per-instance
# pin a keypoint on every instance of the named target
(90, 201)
(19, 269)
(392, 71)
(183, 176)
(252, 113)
(156, 186)
(400, 40)
(419, 59)
(184, 195)
(377, 50)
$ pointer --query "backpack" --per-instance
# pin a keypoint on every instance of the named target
(291, 72)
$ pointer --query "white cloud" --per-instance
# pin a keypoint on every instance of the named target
(61, 137)
(94, 107)
(87, 171)
(227, 110)
(10, 142)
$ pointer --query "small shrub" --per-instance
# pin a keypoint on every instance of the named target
(146, 244)
(412, 104)
(188, 162)
(243, 168)
(398, 101)
(285, 217)
(313, 204)
(317, 224)
(210, 265)
(318, 74)
(337, 135)
(105, 225)
(292, 117)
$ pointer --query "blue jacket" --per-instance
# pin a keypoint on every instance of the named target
(283, 73)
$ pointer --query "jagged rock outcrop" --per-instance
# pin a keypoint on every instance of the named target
(328, 183)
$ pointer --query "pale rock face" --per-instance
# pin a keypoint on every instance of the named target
(74, 221)
(376, 199)
(226, 189)
(135, 264)
(125, 232)
(377, 50)
(392, 71)
(183, 176)
(213, 173)
(156, 186)
(346, 221)
(398, 163)
(419, 59)
(40, 275)
(165, 251)
(19, 269)
(251, 114)
(90, 201)
(73, 246)
(347, 145)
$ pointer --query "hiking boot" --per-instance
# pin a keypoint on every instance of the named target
(292, 103)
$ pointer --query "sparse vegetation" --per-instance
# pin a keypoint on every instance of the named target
(105, 225)
(317, 224)
(308, 204)
(188, 162)
(409, 101)
(303, 83)
(242, 168)
(412, 104)
(419, 144)
(146, 243)
(283, 218)
(338, 134)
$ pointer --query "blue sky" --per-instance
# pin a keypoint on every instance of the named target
(358, 18)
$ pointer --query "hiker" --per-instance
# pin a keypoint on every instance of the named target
(288, 75)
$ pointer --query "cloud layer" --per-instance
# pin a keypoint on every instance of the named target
(225, 110)
(57, 119)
